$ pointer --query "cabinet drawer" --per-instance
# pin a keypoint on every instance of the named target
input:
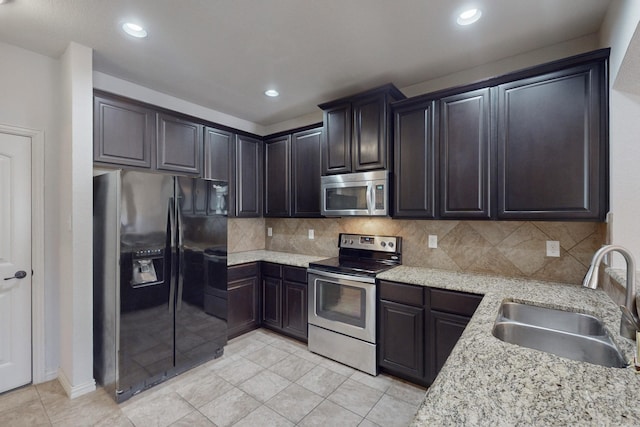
(295, 274)
(271, 270)
(242, 271)
(454, 302)
(404, 294)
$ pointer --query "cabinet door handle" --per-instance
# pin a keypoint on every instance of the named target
(19, 275)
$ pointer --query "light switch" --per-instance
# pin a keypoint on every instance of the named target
(269, 231)
(553, 248)
(311, 234)
(433, 241)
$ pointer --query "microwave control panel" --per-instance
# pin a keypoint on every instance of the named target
(379, 196)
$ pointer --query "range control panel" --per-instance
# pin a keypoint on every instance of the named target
(370, 242)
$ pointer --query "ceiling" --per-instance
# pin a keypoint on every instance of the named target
(223, 54)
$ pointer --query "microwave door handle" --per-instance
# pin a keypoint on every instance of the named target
(370, 204)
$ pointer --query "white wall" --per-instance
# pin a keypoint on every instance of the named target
(620, 31)
(29, 84)
(76, 221)
(131, 90)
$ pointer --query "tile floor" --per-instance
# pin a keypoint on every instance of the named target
(263, 379)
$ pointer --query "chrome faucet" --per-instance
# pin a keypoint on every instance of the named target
(627, 329)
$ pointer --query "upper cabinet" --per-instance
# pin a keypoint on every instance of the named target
(292, 174)
(532, 144)
(217, 154)
(552, 137)
(179, 145)
(357, 131)
(123, 133)
(245, 189)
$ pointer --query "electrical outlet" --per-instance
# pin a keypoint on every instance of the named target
(269, 231)
(311, 234)
(433, 241)
(553, 248)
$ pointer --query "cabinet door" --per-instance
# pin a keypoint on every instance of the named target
(200, 197)
(551, 145)
(272, 302)
(445, 332)
(248, 177)
(294, 309)
(336, 151)
(179, 145)
(369, 133)
(123, 133)
(401, 346)
(465, 165)
(243, 306)
(305, 173)
(277, 177)
(415, 163)
(217, 144)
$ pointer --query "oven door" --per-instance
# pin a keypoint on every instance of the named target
(343, 303)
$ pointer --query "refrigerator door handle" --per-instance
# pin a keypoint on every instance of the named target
(172, 251)
(181, 265)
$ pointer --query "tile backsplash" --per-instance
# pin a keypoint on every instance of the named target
(505, 248)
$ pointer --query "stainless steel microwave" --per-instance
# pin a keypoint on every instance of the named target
(356, 194)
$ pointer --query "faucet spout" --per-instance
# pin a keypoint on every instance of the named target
(591, 281)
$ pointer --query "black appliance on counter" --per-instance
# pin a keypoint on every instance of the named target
(160, 278)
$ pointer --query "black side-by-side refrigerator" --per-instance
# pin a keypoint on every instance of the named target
(160, 277)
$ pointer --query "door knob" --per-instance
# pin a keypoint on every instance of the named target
(19, 275)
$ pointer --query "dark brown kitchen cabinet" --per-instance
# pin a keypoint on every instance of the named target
(415, 160)
(284, 292)
(465, 155)
(357, 131)
(123, 133)
(216, 154)
(243, 295)
(178, 145)
(277, 177)
(245, 190)
(305, 172)
(552, 159)
(401, 331)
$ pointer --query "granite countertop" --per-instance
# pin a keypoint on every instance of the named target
(486, 381)
(489, 382)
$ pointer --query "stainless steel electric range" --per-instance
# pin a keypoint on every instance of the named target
(342, 299)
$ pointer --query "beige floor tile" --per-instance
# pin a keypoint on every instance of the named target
(95, 406)
(294, 402)
(229, 408)
(264, 416)
(18, 397)
(158, 409)
(289, 345)
(264, 385)
(244, 345)
(380, 382)
(329, 414)
(239, 371)
(194, 419)
(356, 397)
(267, 356)
(50, 391)
(339, 368)
(321, 381)
(410, 393)
(368, 423)
(392, 412)
(29, 414)
(117, 419)
(198, 390)
(293, 367)
(311, 357)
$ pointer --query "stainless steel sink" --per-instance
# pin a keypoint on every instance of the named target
(572, 335)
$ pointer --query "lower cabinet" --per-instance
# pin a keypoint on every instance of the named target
(243, 295)
(284, 299)
(418, 328)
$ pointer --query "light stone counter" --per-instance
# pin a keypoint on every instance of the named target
(489, 382)
(295, 260)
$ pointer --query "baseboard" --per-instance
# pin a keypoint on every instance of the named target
(78, 390)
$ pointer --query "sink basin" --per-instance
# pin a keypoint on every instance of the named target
(576, 336)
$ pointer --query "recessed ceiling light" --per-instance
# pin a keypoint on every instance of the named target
(272, 93)
(469, 16)
(134, 30)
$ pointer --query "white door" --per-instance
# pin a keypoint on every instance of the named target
(15, 261)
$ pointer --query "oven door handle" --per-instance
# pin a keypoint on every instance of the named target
(327, 274)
